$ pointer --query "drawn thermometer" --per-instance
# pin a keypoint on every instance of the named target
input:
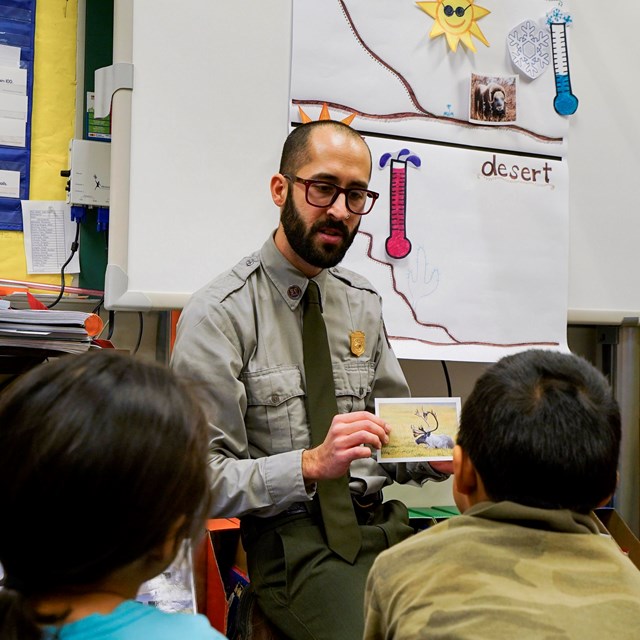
(565, 103)
(397, 244)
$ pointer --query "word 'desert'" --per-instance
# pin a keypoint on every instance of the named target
(517, 172)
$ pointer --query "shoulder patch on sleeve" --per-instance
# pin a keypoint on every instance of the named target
(236, 277)
(352, 279)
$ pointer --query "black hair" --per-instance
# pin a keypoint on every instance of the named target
(295, 152)
(543, 429)
(100, 455)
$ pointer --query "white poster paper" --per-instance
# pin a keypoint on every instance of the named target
(472, 260)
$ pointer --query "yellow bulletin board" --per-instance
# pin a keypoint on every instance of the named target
(53, 122)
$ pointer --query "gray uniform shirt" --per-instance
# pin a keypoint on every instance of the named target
(242, 336)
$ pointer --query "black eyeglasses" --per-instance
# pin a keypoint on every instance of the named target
(319, 193)
(459, 11)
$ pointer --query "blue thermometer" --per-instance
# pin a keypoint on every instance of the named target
(565, 103)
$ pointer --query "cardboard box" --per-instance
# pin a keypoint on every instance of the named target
(220, 573)
(613, 524)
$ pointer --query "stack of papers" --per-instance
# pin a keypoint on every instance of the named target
(48, 330)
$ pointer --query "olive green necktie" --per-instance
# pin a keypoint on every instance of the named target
(339, 519)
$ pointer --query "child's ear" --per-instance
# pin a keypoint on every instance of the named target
(464, 473)
(607, 500)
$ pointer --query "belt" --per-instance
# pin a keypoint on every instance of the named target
(309, 508)
(364, 506)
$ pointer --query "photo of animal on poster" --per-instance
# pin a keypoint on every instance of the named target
(422, 429)
(493, 100)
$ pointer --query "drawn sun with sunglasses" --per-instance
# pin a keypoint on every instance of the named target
(457, 20)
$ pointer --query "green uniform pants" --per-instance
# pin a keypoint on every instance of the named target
(301, 585)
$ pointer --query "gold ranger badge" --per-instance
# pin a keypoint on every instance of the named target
(357, 342)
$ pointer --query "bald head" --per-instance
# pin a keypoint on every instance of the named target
(296, 149)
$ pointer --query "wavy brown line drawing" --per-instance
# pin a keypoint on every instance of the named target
(485, 344)
(406, 115)
(397, 74)
(432, 325)
(422, 112)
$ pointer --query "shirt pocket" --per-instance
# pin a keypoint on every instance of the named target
(276, 418)
(353, 379)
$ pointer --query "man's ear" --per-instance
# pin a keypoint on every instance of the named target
(279, 186)
(464, 473)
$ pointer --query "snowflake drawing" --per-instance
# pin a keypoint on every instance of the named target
(530, 48)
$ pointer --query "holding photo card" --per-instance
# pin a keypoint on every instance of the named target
(422, 429)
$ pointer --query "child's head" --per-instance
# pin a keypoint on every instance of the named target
(542, 429)
(102, 456)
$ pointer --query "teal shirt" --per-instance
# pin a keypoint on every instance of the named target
(132, 621)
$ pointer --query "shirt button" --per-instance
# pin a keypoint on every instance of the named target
(249, 262)
(294, 291)
(275, 398)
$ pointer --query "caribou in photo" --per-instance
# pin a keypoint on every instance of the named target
(426, 436)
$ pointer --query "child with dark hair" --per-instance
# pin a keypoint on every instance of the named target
(103, 475)
(537, 450)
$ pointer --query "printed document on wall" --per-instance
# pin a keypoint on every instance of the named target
(48, 235)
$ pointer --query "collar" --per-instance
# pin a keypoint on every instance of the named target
(289, 281)
(561, 520)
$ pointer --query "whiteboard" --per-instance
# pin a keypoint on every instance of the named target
(195, 143)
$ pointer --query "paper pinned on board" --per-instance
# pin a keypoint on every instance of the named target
(13, 132)
(14, 102)
(13, 80)
(48, 235)
(9, 56)
(9, 184)
(13, 106)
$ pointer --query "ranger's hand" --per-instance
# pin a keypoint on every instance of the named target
(343, 444)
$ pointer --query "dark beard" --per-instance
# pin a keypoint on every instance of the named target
(320, 255)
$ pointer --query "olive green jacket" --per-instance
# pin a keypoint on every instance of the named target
(504, 571)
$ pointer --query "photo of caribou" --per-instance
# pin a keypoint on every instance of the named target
(426, 437)
(421, 428)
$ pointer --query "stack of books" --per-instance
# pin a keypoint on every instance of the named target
(47, 330)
